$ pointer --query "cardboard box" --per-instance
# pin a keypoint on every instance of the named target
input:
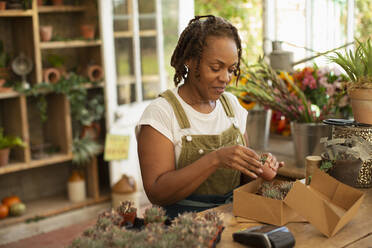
(326, 203)
(248, 204)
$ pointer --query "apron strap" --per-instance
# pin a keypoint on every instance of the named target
(227, 105)
(177, 108)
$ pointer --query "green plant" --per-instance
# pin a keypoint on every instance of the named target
(9, 141)
(84, 150)
(357, 64)
(55, 60)
(154, 214)
(275, 191)
(126, 207)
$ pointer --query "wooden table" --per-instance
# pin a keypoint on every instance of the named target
(356, 233)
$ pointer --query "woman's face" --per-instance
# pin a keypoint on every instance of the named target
(217, 65)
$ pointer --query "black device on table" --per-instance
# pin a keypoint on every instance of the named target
(265, 236)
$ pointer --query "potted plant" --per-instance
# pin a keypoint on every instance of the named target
(358, 66)
(83, 151)
(343, 158)
(90, 113)
(6, 143)
(154, 214)
(127, 210)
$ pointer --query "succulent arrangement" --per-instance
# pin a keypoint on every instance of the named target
(187, 230)
(275, 190)
(154, 214)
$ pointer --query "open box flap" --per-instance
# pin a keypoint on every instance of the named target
(320, 203)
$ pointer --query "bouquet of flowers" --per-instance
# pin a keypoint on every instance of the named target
(310, 95)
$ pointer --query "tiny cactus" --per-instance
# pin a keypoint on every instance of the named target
(154, 214)
(126, 207)
(275, 191)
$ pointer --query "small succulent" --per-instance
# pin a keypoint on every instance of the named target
(154, 214)
(126, 207)
(263, 158)
(275, 191)
(214, 217)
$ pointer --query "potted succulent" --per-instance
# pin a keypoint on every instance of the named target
(6, 143)
(127, 210)
(358, 66)
(154, 214)
(343, 158)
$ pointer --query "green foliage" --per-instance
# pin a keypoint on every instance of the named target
(357, 64)
(187, 230)
(84, 150)
(246, 15)
(275, 191)
(326, 166)
(9, 141)
(55, 60)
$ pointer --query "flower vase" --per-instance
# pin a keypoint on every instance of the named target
(258, 128)
(306, 140)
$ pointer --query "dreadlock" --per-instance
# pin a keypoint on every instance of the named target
(193, 40)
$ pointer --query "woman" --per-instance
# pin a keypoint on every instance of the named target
(191, 146)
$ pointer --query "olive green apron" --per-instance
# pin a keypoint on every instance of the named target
(223, 180)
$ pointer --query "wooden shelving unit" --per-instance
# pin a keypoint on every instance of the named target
(19, 115)
(69, 44)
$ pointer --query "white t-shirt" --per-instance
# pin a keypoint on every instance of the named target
(160, 115)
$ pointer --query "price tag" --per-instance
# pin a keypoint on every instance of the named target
(116, 147)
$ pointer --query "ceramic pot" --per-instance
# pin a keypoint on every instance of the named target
(46, 33)
(87, 31)
(2, 5)
(4, 156)
(51, 75)
(94, 73)
(76, 188)
(361, 103)
(2, 88)
(93, 130)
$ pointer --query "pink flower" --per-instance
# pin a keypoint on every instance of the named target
(343, 101)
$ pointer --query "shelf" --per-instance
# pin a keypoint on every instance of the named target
(50, 206)
(13, 167)
(69, 44)
(4, 95)
(16, 13)
(64, 8)
(129, 34)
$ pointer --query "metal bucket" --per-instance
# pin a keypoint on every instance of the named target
(258, 128)
(306, 140)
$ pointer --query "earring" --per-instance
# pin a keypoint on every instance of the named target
(187, 70)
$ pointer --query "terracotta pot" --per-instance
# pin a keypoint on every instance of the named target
(361, 103)
(93, 130)
(57, 2)
(40, 2)
(46, 33)
(2, 5)
(4, 89)
(87, 31)
(4, 73)
(51, 75)
(269, 171)
(129, 217)
(4, 156)
(94, 73)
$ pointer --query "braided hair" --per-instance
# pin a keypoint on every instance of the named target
(193, 40)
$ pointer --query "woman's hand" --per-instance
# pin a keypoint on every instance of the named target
(240, 158)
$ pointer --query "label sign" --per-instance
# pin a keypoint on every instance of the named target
(116, 147)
